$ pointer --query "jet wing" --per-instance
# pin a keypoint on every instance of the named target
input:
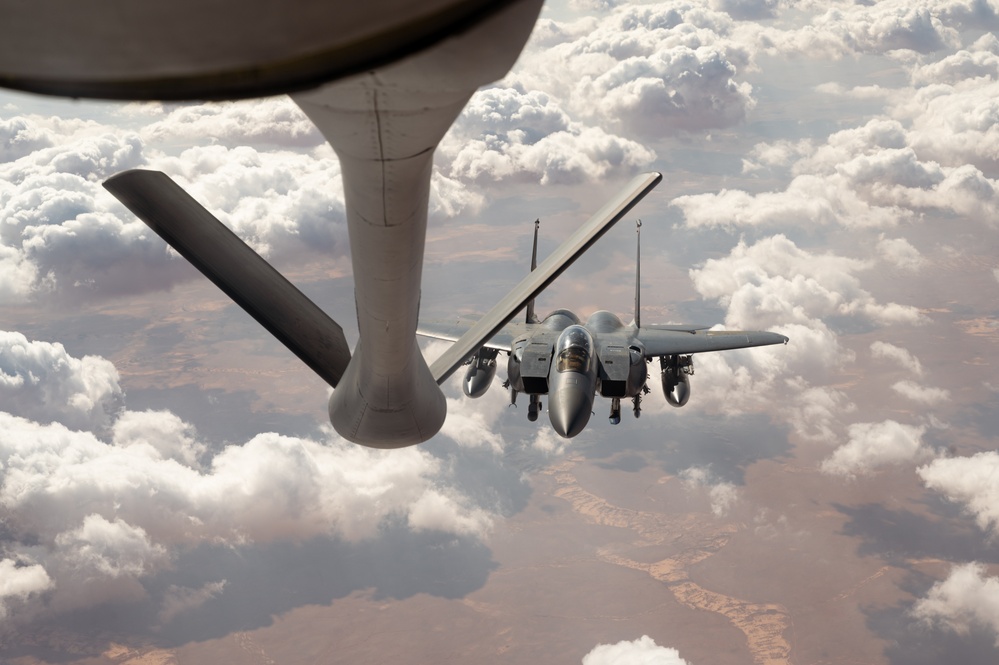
(675, 340)
(451, 331)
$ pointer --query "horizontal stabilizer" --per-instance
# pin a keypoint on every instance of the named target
(535, 282)
(241, 273)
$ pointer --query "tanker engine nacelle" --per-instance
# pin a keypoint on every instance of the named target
(480, 373)
(676, 373)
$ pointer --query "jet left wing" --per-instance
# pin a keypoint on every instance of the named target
(678, 341)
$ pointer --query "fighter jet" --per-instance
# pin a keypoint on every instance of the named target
(571, 361)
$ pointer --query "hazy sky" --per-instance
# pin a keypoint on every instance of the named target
(829, 173)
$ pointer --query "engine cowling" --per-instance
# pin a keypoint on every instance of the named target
(677, 392)
(480, 373)
(676, 371)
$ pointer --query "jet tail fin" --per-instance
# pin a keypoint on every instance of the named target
(531, 317)
(638, 276)
(537, 280)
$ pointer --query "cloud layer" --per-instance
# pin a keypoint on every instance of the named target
(643, 651)
(88, 520)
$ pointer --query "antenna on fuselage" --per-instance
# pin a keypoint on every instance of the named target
(531, 318)
(638, 276)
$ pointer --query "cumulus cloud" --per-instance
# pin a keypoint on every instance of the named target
(274, 121)
(967, 598)
(655, 69)
(897, 355)
(280, 202)
(86, 520)
(506, 134)
(980, 60)
(807, 200)
(42, 382)
(868, 176)
(887, 27)
(62, 234)
(98, 517)
(643, 651)
(260, 166)
(923, 394)
(775, 282)
(900, 253)
(18, 138)
(722, 495)
(969, 481)
(954, 124)
(872, 445)
(19, 581)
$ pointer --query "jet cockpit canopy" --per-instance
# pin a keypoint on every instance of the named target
(574, 350)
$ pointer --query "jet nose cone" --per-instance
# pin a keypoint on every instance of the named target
(569, 412)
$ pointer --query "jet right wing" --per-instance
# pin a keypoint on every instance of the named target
(670, 341)
(451, 331)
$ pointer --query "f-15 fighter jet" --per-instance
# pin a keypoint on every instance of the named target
(571, 361)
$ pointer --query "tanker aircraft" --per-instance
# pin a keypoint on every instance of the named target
(382, 80)
(571, 361)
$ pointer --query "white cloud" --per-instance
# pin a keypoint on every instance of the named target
(643, 651)
(88, 520)
(955, 124)
(160, 434)
(19, 581)
(275, 121)
(980, 60)
(922, 394)
(898, 355)
(814, 411)
(101, 561)
(774, 282)
(655, 69)
(547, 442)
(19, 138)
(870, 176)
(900, 253)
(969, 481)
(506, 134)
(98, 517)
(872, 445)
(721, 495)
(42, 382)
(966, 599)
(472, 422)
(886, 27)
